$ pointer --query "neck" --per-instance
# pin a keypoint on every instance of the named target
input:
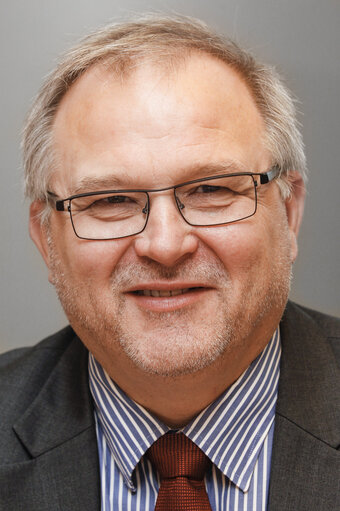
(178, 400)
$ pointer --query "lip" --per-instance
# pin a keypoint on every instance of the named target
(195, 293)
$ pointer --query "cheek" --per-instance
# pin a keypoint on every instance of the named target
(84, 259)
(240, 247)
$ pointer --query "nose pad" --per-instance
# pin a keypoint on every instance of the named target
(179, 203)
(167, 238)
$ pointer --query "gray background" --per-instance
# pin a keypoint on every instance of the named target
(301, 37)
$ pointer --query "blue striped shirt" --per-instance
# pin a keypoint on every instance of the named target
(235, 432)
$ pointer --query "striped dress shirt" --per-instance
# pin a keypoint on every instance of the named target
(235, 432)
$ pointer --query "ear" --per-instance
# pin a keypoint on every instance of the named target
(38, 231)
(294, 209)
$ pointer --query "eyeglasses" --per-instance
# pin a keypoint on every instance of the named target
(211, 201)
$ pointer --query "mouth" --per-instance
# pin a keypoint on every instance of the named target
(166, 297)
(164, 293)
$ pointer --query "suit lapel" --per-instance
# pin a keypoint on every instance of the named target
(58, 431)
(305, 458)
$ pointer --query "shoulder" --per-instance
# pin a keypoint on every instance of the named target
(23, 371)
(329, 324)
(305, 458)
(48, 350)
(299, 321)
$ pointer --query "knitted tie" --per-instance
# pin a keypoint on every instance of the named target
(181, 466)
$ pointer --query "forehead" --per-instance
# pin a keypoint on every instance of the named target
(155, 121)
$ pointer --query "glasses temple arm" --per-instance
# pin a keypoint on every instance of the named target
(270, 175)
(59, 204)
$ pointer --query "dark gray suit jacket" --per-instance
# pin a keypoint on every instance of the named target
(48, 449)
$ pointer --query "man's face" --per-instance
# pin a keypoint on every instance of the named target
(224, 287)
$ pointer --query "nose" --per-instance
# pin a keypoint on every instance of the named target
(167, 238)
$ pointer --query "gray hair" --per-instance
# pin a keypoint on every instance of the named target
(165, 39)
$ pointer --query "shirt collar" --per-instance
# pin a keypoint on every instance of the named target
(230, 431)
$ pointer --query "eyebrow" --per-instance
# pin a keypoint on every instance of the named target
(90, 184)
(125, 182)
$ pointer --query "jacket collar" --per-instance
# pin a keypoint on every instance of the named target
(58, 432)
(305, 459)
(63, 407)
(309, 393)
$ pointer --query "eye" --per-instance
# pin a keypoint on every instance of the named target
(94, 203)
(208, 189)
(112, 199)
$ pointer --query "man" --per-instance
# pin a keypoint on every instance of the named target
(166, 174)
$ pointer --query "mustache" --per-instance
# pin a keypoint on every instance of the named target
(131, 274)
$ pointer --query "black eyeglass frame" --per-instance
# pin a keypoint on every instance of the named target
(265, 177)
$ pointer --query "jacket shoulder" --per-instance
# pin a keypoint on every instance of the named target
(23, 372)
(328, 326)
(305, 458)
(16, 362)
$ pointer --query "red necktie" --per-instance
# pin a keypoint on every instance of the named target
(181, 466)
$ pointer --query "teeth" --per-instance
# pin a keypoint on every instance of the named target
(157, 293)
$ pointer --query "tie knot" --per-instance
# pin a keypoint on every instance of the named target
(175, 455)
